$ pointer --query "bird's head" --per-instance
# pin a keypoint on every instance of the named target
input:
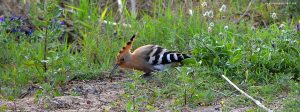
(124, 55)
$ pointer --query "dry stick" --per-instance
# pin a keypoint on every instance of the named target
(45, 50)
(185, 97)
(120, 6)
(245, 12)
(188, 5)
(133, 8)
(248, 96)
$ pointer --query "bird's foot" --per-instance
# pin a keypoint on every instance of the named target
(147, 76)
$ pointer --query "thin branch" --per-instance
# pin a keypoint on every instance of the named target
(133, 8)
(45, 50)
(248, 96)
(120, 6)
(245, 12)
(188, 5)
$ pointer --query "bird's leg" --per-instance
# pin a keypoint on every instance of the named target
(145, 75)
(181, 64)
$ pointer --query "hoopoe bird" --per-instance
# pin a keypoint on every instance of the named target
(147, 58)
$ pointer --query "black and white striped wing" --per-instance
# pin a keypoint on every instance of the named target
(161, 56)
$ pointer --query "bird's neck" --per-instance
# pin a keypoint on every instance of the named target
(133, 61)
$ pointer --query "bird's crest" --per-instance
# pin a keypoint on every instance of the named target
(127, 47)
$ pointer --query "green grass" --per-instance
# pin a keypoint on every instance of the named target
(264, 62)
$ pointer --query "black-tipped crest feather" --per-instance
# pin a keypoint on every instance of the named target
(128, 45)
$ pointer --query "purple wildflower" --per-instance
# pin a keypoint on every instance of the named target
(12, 18)
(297, 27)
(14, 30)
(2, 18)
(30, 31)
(273, 45)
(62, 23)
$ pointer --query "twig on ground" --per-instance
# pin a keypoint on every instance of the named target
(248, 96)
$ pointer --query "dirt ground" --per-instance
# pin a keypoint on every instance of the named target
(94, 95)
(101, 95)
(104, 95)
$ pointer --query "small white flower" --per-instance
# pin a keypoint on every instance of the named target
(253, 28)
(205, 13)
(281, 26)
(223, 8)
(209, 29)
(27, 57)
(258, 49)
(191, 12)
(253, 46)
(200, 62)
(226, 27)
(204, 4)
(220, 34)
(211, 24)
(44, 61)
(210, 14)
(56, 57)
(274, 15)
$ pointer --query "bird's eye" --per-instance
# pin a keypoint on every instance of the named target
(122, 59)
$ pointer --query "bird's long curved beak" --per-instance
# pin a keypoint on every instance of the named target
(114, 69)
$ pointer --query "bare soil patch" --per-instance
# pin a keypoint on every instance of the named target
(91, 95)
(100, 95)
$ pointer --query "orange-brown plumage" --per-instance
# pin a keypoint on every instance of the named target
(147, 58)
